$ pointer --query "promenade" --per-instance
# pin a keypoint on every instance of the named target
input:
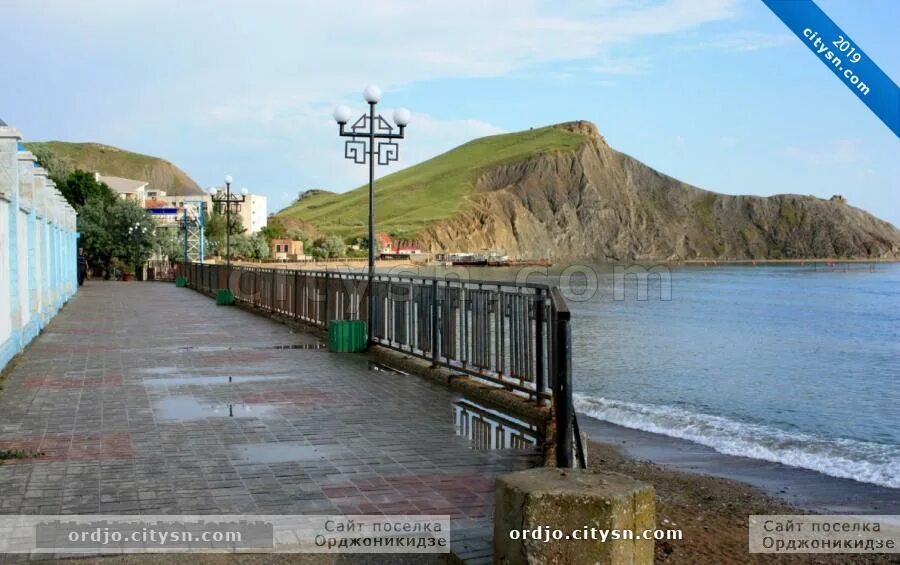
(146, 398)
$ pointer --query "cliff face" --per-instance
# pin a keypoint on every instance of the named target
(594, 202)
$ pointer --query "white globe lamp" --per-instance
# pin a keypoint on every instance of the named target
(341, 114)
(401, 116)
(372, 94)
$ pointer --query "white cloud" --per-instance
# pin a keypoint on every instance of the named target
(623, 66)
(841, 150)
(742, 41)
(253, 84)
(279, 55)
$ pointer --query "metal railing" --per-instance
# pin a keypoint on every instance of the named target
(160, 270)
(489, 429)
(513, 335)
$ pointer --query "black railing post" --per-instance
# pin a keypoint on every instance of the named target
(435, 356)
(562, 382)
(539, 376)
(325, 307)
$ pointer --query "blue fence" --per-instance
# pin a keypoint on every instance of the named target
(38, 245)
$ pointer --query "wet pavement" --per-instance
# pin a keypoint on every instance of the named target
(146, 398)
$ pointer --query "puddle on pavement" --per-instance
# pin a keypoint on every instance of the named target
(209, 380)
(490, 429)
(188, 408)
(220, 348)
(276, 452)
(376, 366)
(157, 370)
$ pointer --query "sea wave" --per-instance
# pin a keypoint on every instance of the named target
(863, 461)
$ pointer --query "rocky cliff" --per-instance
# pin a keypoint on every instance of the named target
(596, 203)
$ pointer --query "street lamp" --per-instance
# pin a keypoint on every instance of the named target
(371, 135)
(224, 296)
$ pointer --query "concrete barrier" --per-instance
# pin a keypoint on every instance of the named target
(541, 501)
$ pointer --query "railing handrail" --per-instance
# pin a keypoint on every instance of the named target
(391, 277)
(513, 334)
(560, 306)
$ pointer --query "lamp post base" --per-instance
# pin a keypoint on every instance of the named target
(224, 297)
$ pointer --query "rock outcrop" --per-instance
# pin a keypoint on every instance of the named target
(596, 203)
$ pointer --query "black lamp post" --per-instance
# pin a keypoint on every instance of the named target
(229, 200)
(371, 135)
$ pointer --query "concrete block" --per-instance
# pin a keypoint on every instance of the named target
(545, 499)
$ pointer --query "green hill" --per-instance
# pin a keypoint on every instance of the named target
(411, 199)
(563, 193)
(112, 161)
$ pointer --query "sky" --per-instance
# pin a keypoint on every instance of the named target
(717, 93)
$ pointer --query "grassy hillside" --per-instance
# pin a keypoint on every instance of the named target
(116, 162)
(413, 198)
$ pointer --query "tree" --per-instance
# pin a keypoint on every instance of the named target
(135, 231)
(58, 168)
(328, 247)
(299, 235)
(97, 238)
(273, 231)
(81, 186)
(170, 242)
(254, 247)
(107, 228)
(215, 230)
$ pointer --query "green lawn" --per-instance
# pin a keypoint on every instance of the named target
(409, 200)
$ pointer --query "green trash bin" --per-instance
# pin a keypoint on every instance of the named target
(346, 336)
(224, 297)
(181, 281)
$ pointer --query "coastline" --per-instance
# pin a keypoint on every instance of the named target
(802, 261)
(710, 495)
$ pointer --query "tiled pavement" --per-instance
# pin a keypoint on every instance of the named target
(127, 395)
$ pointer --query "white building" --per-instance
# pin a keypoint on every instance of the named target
(253, 210)
(128, 189)
(255, 213)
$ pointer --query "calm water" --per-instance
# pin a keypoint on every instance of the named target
(781, 363)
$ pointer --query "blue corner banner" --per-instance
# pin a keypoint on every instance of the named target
(843, 56)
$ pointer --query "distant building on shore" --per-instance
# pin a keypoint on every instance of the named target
(128, 189)
(286, 250)
(385, 245)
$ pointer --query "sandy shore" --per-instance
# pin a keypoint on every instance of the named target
(712, 511)
(338, 264)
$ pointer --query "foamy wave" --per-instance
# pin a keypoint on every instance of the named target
(850, 459)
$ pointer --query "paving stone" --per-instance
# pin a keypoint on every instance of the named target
(126, 396)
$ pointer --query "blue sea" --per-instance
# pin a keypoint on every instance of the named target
(788, 363)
